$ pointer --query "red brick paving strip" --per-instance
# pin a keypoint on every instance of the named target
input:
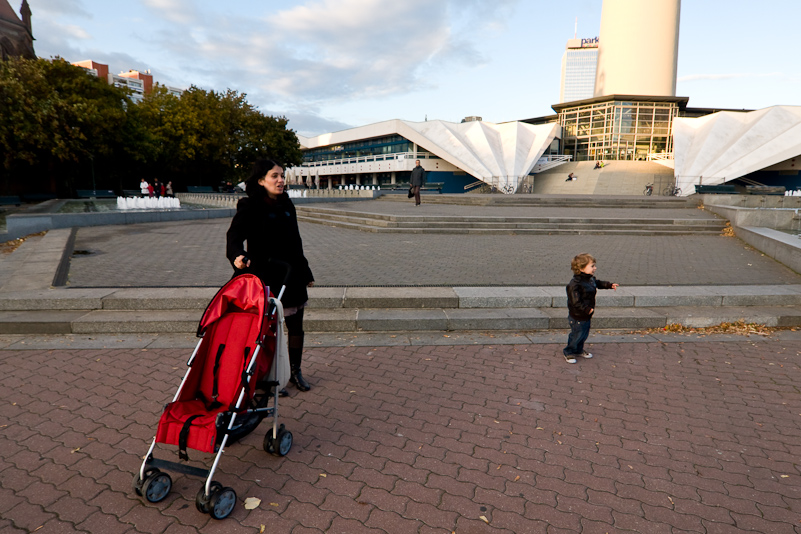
(684, 437)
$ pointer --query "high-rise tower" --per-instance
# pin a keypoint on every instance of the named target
(578, 69)
(639, 48)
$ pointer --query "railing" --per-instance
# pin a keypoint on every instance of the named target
(475, 184)
(550, 161)
(660, 156)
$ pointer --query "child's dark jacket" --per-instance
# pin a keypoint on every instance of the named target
(581, 295)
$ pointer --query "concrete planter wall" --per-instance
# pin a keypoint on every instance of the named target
(22, 224)
(784, 248)
(229, 200)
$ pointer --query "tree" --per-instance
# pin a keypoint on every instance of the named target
(207, 137)
(62, 129)
(60, 124)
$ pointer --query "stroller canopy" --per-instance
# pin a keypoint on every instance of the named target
(245, 293)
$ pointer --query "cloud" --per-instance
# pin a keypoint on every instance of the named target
(310, 124)
(333, 50)
(60, 7)
(701, 77)
(177, 11)
(301, 58)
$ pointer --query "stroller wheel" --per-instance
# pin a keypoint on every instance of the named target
(222, 503)
(156, 487)
(281, 444)
(201, 501)
(137, 483)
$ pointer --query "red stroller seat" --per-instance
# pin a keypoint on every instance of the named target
(217, 402)
(191, 421)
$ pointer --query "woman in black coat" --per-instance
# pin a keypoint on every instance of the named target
(267, 220)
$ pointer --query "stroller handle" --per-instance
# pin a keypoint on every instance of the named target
(288, 269)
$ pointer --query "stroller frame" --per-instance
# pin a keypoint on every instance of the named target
(213, 498)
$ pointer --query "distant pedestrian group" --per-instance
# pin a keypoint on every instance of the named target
(156, 189)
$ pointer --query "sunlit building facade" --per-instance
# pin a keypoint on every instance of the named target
(618, 127)
(579, 63)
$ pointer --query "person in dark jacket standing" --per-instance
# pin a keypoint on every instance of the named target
(267, 220)
(417, 180)
(581, 292)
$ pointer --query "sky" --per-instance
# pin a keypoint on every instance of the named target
(328, 65)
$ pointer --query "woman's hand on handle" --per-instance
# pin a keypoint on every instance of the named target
(310, 284)
(240, 263)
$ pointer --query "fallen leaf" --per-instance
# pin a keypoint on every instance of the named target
(540, 428)
(274, 504)
(323, 475)
(785, 476)
(251, 503)
(261, 530)
(517, 478)
(484, 519)
(73, 451)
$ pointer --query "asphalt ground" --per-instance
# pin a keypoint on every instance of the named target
(645, 437)
(192, 253)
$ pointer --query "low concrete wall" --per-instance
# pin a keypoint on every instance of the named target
(22, 224)
(782, 247)
(783, 218)
(229, 200)
(752, 201)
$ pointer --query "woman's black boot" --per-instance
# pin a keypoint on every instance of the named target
(295, 359)
(297, 379)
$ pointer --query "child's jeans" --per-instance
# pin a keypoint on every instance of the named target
(579, 332)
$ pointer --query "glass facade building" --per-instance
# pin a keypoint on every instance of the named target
(618, 127)
(377, 146)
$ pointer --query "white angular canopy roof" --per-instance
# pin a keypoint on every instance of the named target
(499, 154)
(726, 145)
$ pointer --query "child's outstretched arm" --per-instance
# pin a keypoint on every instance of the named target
(606, 285)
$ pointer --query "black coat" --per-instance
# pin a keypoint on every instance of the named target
(418, 176)
(581, 292)
(270, 228)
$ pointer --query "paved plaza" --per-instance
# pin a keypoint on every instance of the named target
(418, 432)
(192, 253)
(646, 437)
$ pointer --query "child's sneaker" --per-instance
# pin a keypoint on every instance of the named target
(569, 358)
(586, 355)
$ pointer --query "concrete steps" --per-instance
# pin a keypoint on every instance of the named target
(443, 309)
(561, 201)
(383, 223)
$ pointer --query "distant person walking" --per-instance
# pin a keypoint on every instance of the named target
(144, 188)
(581, 305)
(417, 180)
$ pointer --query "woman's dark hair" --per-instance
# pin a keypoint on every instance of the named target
(260, 169)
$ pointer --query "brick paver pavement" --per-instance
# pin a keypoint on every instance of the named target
(646, 437)
(191, 253)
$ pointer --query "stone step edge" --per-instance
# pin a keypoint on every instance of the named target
(400, 320)
(567, 224)
(677, 230)
(419, 297)
(382, 217)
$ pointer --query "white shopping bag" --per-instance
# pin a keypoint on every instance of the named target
(280, 368)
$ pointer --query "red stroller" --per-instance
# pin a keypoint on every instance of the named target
(236, 368)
